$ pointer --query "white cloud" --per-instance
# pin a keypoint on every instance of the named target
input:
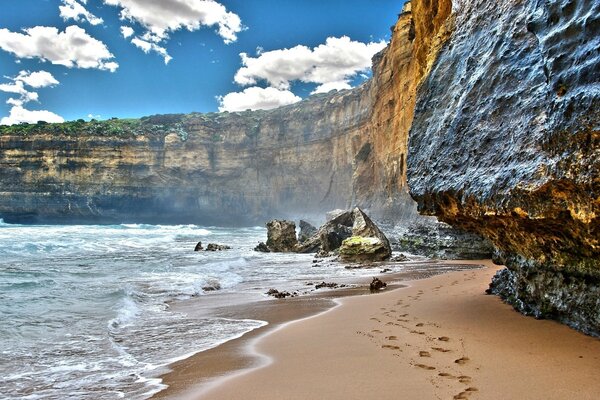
(160, 17)
(330, 65)
(72, 9)
(127, 31)
(73, 48)
(329, 86)
(255, 98)
(37, 79)
(147, 46)
(19, 114)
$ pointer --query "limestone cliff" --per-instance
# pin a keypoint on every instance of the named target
(330, 151)
(505, 142)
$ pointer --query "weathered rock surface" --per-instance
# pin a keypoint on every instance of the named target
(343, 226)
(438, 240)
(281, 236)
(307, 230)
(505, 142)
(361, 249)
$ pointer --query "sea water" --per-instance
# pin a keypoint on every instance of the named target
(86, 311)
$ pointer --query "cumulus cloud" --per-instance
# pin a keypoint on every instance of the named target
(73, 48)
(256, 98)
(127, 31)
(73, 9)
(331, 65)
(18, 114)
(17, 85)
(160, 18)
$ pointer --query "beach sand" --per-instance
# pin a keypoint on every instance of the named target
(439, 338)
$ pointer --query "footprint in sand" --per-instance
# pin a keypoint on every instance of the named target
(440, 349)
(423, 366)
(444, 339)
(375, 319)
(464, 379)
(376, 331)
(418, 332)
(445, 375)
(390, 347)
(403, 315)
(424, 354)
(391, 337)
(465, 394)
(462, 360)
(420, 324)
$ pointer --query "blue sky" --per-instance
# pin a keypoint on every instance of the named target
(202, 49)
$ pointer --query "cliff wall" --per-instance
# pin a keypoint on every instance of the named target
(330, 151)
(505, 142)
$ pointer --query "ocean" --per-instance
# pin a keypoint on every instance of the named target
(86, 311)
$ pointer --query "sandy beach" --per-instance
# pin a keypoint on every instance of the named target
(438, 338)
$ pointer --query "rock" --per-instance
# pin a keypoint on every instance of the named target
(262, 247)
(333, 214)
(341, 226)
(377, 284)
(306, 231)
(217, 247)
(399, 258)
(330, 285)
(360, 249)
(385, 271)
(281, 236)
(212, 285)
(198, 246)
(515, 157)
(280, 295)
(438, 240)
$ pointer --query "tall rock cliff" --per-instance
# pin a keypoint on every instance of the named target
(329, 151)
(505, 142)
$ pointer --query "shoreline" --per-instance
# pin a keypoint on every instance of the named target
(188, 377)
(439, 337)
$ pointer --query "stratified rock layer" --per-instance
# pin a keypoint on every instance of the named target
(505, 142)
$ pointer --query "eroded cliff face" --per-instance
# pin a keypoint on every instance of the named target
(330, 151)
(506, 143)
(236, 168)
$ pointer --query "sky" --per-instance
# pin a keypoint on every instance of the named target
(63, 60)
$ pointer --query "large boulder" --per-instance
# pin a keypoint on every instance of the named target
(360, 249)
(281, 236)
(343, 226)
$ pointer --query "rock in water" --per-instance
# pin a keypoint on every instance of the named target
(281, 236)
(306, 231)
(262, 247)
(377, 284)
(198, 246)
(217, 247)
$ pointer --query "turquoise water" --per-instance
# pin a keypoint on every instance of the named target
(86, 313)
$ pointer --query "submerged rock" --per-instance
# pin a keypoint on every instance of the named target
(281, 236)
(198, 246)
(280, 295)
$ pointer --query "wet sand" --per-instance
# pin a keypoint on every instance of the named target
(439, 338)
